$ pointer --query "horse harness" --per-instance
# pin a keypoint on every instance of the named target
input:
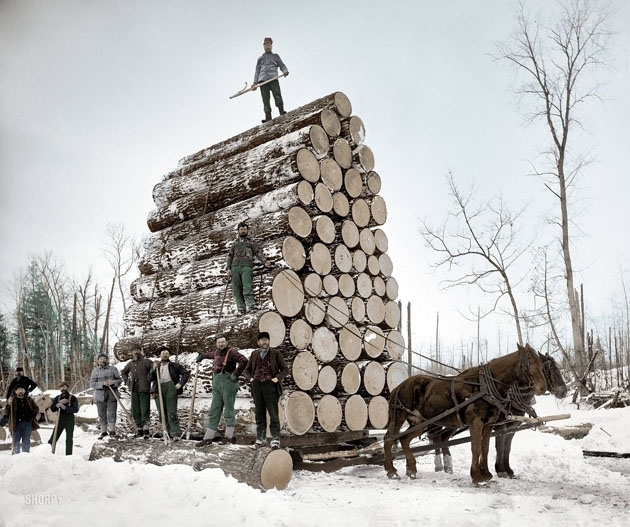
(488, 391)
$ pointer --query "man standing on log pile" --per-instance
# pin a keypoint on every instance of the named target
(228, 366)
(240, 262)
(172, 377)
(67, 405)
(265, 370)
(136, 376)
(105, 380)
(266, 69)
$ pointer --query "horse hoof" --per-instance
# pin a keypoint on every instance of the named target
(393, 475)
(448, 470)
(411, 475)
(502, 475)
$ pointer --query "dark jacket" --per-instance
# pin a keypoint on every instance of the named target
(179, 375)
(72, 406)
(236, 362)
(243, 251)
(29, 384)
(278, 366)
(21, 410)
(136, 374)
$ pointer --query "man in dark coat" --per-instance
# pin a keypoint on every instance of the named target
(21, 413)
(228, 365)
(172, 377)
(21, 380)
(136, 375)
(265, 370)
(267, 68)
(67, 405)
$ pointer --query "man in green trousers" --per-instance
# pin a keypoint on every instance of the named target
(240, 262)
(67, 405)
(136, 376)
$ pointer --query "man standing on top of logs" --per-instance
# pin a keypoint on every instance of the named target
(265, 370)
(267, 68)
(172, 377)
(228, 366)
(240, 262)
(21, 380)
(105, 380)
(136, 376)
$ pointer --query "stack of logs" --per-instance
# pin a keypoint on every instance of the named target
(306, 185)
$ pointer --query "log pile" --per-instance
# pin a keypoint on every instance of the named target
(306, 184)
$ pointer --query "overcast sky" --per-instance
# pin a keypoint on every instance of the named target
(98, 99)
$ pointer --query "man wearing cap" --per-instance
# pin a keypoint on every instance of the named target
(240, 262)
(67, 405)
(228, 366)
(265, 370)
(172, 377)
(267, 68)
(136, 375)
(21, 380)
(105, 380)
(21, 416)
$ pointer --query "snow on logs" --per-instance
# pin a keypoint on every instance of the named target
(306, 184)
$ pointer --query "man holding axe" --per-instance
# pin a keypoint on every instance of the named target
(67, 405)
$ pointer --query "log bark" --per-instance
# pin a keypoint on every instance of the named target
(261, 469)
(170, 190)
(213, 233)
(317, 112)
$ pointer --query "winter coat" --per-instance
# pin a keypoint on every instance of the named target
(100, 374)
(72, 406)
(243, 251)
(179, 375)
(136, 374)
(26, 407)
(236, 362)
(267, 67)
(278, 366)
(29, 384)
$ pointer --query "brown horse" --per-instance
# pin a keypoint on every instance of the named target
(474, 399)
(506, 432)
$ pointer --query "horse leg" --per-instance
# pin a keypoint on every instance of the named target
(499, 465)
(409, 457)
(437, 461)
(475, 427)
(506, 455)
(485, 447)
(389, 462)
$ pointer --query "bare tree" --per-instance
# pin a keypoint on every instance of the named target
(484, 237)
(121, 251)
(556, 62)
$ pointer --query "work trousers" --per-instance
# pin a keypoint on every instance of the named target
(266, 398)
(223, 399)
(140, 410)
(272, 88)
(242, 286)
(169, 399)
(66, 422)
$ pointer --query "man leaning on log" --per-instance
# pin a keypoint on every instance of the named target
(228, 366)
(240, 262)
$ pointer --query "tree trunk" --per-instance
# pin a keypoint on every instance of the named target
(261, 469)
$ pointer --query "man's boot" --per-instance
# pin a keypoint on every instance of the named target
(267, 117)
(281, 109)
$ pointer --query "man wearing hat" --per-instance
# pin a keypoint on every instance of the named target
(172, 377)
(21, 380)
(21, 416)
(265, 370)
(228, 366)
(240, 262)
(267, 68)
(105, 380)
(67, 405)
(136, 375)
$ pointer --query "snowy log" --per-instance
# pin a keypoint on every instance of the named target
(261, 469)
(353, 130)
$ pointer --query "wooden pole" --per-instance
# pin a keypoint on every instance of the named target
(409, 354)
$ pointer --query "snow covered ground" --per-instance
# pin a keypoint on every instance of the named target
(556, 485)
